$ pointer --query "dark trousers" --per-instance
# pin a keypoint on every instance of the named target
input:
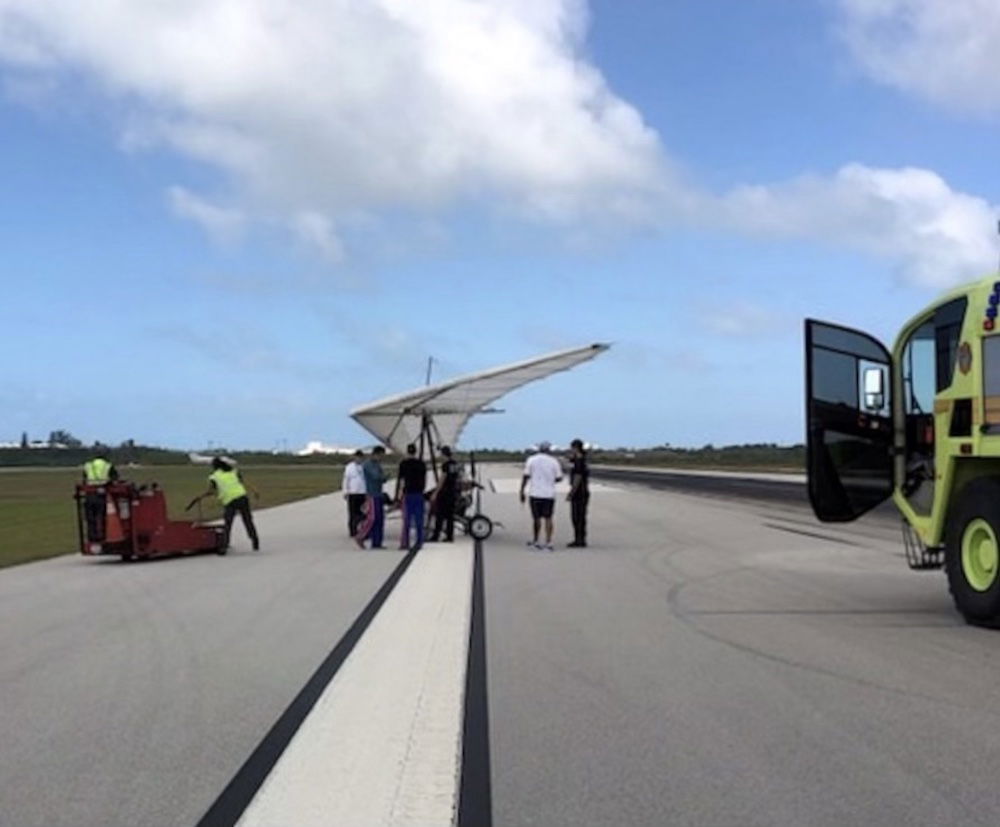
(94, 508)
(241, 506)
(444, 516)
(413, 513)
(373, 525)
(578, 511)
(355, 512)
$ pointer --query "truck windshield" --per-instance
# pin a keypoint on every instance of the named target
(919, 370)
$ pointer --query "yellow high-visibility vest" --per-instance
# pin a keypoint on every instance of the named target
(97, 471)
(227, 486)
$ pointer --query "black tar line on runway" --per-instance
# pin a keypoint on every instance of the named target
(475, 804)
(239, 792)
(763, 489)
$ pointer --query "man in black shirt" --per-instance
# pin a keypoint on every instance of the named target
(445, 498)
(412, 479)
(579, 493)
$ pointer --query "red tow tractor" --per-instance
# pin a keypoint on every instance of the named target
(135, 523)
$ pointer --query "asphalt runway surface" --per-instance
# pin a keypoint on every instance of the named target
(707, 660)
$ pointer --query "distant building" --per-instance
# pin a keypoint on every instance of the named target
(317, 447)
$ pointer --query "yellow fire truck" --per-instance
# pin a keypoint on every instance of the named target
(920, 424)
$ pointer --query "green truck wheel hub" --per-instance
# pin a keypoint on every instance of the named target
(980, 554)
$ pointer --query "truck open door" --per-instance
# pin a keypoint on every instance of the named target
(849, 430)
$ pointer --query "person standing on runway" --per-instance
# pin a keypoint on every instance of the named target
(541, 473)
(411, 482)
(98, 471)
(354, 491)
(579, 493)
(373, 526)
(445, 498)
(227, 484)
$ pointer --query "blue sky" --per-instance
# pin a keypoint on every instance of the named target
(230, 222)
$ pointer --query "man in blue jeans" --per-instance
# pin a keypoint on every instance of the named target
(373, 526)
(413, 480)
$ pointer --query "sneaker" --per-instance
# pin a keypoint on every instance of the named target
(548, 547)
(361, 543)
(534, 544)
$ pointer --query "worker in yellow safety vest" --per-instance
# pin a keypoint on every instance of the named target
(227, 484)
(97, 472)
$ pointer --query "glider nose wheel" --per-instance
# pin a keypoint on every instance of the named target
(480, 526)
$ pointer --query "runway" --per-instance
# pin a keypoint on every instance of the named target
(707, 660)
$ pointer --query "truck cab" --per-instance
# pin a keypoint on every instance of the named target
(919, 424)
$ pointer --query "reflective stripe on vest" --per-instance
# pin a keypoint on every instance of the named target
(97, 471)
(227, 486)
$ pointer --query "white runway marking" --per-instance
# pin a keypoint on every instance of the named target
(382, 746)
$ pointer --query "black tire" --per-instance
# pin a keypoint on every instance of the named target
(480, 526)
(974, 579)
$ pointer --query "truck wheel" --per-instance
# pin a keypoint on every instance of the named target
(972, 557)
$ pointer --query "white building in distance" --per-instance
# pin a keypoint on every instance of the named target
(317, 447)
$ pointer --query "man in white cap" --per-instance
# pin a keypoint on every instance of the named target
(541, 473)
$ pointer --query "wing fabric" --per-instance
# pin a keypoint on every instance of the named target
(398, 420)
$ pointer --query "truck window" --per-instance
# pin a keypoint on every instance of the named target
(948, 320)
(991, 366)
(836, 359)
(919, 370)
(991, 381)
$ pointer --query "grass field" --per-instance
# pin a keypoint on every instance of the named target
(38, 516)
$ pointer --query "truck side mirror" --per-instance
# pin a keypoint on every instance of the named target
(874, 379)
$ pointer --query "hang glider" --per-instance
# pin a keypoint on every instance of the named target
(437, 414)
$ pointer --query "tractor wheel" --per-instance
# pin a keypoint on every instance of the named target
(480, 526)
(972, 555)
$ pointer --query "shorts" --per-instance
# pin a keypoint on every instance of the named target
(541, 506)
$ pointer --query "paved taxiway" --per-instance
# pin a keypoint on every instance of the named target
(705, 661)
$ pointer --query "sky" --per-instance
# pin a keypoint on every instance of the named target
(228, 222)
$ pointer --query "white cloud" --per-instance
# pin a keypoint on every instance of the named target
(317, 230)
(222, 223)
(936, 236)
(324, 115)
(319, 109)
(744, 319)
(942, 50)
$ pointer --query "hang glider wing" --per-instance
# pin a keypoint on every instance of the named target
(446, 407)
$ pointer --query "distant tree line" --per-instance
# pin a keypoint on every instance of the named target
(62, 449)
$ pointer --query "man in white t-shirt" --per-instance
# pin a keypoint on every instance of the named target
(354, 491)
(541, 473)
